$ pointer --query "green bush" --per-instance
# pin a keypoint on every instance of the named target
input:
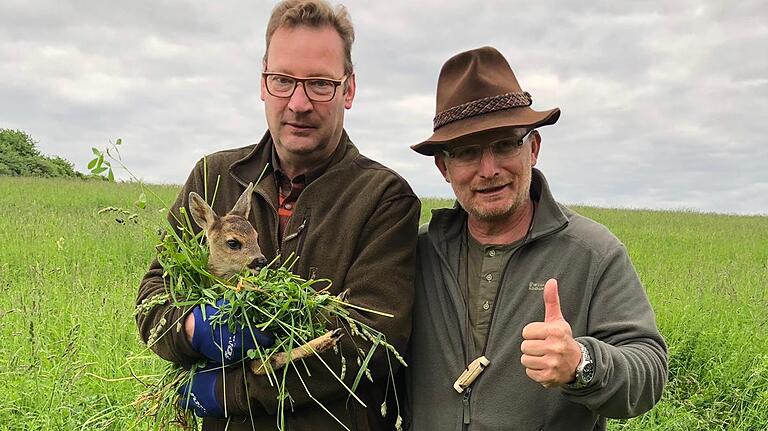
(20, 158)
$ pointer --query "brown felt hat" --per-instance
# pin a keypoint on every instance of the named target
(477, 92)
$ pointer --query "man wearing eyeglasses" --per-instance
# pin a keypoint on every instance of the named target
(348, 218)
(527, 316)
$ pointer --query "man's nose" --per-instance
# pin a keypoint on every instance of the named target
(488, 165)
(299, 102)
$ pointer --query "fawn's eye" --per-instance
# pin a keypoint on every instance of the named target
(234, 244)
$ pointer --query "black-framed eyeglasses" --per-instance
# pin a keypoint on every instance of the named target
(502, 149)
(317, 89)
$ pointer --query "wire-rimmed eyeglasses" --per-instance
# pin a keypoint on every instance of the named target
(502, 149)
(317, 89)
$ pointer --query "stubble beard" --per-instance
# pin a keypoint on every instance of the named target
(499, 213)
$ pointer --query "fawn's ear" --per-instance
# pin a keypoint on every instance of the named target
(243, 205)
(201, 211)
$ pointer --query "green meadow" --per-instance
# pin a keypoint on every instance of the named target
(70, 357)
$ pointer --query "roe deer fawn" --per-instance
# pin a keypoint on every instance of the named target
(232, 241)
(233, 245)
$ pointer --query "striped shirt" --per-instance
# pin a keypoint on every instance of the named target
(289, 190)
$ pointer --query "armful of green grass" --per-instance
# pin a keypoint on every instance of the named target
(376, 317)
(381, 279)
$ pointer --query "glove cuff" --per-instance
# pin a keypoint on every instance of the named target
(204, 397)
(202, 330)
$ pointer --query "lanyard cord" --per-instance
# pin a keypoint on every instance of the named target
(467, 333)
(465, 291)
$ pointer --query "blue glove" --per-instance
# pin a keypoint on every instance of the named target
(220, 345)
(200, 393)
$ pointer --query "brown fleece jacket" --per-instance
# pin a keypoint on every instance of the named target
(356, 225)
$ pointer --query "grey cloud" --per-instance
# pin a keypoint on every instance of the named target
(663, 102)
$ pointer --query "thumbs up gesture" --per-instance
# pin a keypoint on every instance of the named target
(550, 354)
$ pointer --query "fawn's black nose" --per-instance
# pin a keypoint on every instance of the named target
(258, 263)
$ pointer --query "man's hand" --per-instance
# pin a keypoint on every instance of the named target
(200, 393)
(550, 354)
(216, 341)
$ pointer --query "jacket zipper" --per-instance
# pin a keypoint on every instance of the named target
(466, 415)
(300, 232)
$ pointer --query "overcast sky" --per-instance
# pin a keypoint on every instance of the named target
(663, 102)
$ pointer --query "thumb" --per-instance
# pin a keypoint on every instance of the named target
(551, 302)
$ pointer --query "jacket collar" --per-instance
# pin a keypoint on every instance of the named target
(259, 159)
(449, 224)
(308, 177)
(550, 216)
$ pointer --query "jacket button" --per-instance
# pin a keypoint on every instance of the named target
(489, 276)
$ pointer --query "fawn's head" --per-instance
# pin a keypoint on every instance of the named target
(232, 240)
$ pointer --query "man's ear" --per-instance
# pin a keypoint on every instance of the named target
(349, 94)
(440, 163)
(535, 146)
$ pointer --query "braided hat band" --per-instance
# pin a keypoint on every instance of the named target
(477, 92)
(482, 106)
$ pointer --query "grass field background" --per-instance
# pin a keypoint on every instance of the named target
(69, 278)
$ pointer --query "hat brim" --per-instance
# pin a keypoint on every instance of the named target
(493, 121)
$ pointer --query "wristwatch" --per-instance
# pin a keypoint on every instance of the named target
(585, 371)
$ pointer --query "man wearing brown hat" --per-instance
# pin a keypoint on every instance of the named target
(527, 315)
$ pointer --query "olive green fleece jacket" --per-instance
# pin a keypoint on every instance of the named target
(356, 224)
(601, 298)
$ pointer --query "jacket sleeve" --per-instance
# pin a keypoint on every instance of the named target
(162, 326)
(380, 278)
(629, 353)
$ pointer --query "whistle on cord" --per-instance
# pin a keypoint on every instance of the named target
(470, 373)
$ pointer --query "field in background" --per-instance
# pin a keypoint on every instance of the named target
(69, 277)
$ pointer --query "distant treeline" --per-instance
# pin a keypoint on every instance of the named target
(20, 158)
